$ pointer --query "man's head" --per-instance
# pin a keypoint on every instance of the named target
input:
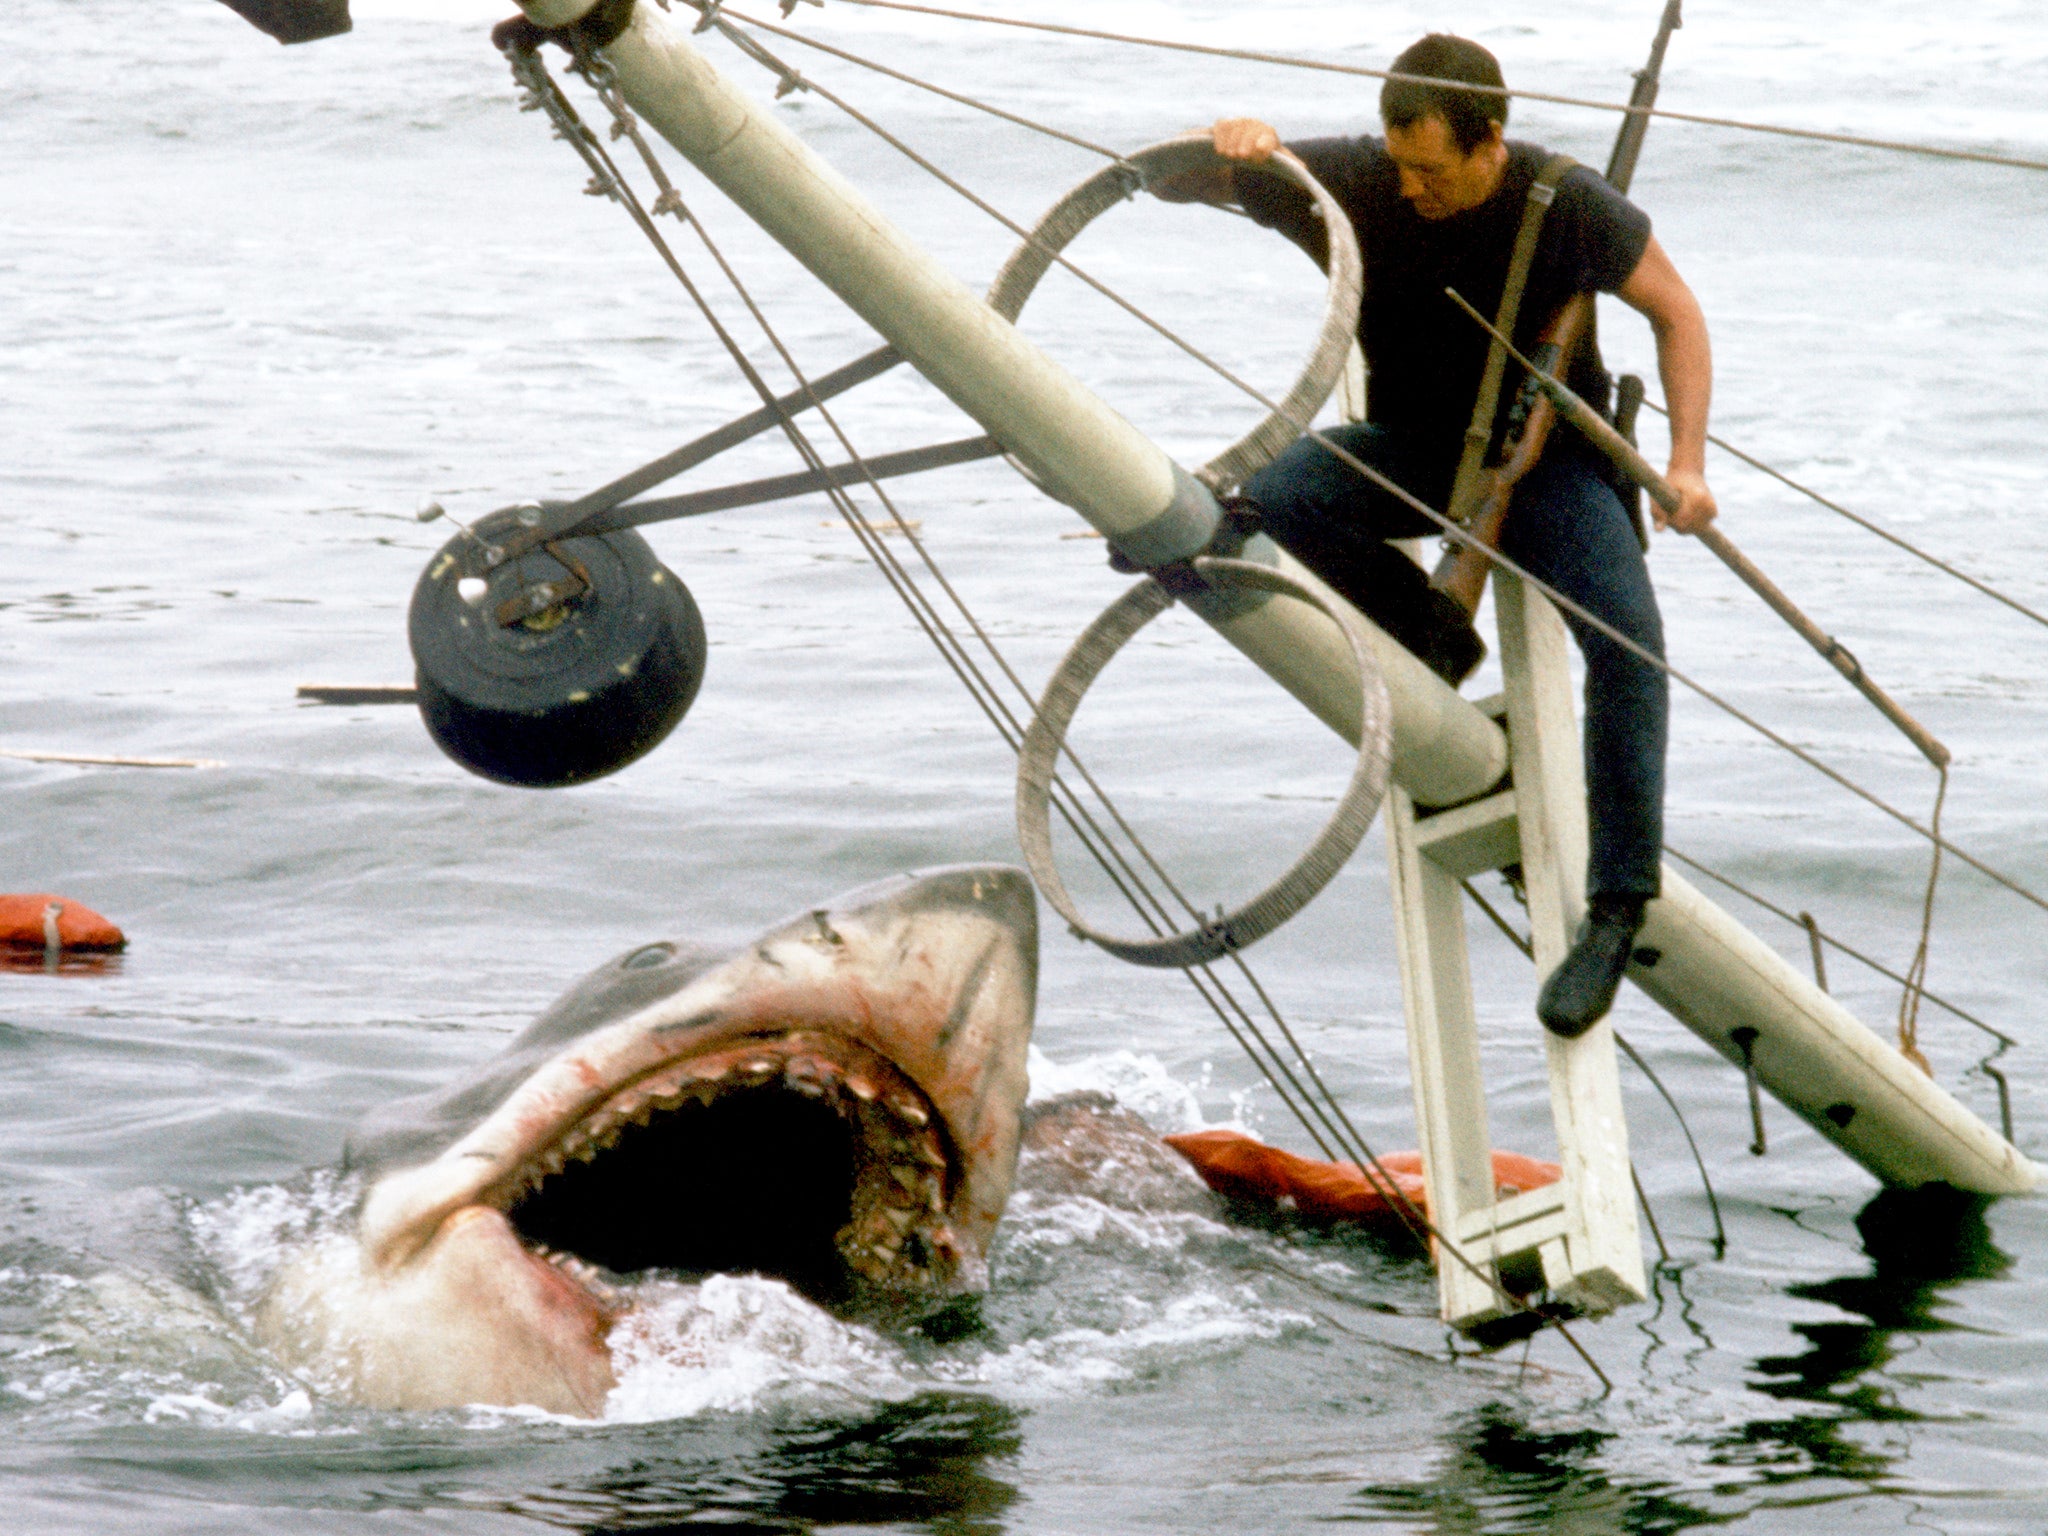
(1446, 141)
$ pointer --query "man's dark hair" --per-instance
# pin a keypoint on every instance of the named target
(1403, 103)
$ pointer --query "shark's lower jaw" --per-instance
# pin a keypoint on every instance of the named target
(801, 1154)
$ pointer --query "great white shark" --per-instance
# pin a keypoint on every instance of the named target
(837, 1103)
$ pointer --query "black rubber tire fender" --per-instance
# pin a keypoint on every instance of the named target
(577, 694)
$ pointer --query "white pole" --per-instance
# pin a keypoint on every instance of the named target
(1815, 1057)
(1711, 973)
(1078, 448)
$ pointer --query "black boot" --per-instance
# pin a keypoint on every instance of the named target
(1581, 990)
(1453, 649)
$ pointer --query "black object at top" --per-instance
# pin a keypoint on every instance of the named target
(1425, 358)
(294, 21)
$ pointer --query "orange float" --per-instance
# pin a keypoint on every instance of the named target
(1241, 1167)
(28, 922)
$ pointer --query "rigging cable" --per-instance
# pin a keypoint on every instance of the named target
(1868, 525)
(1827, 938)
(1291, 61)
(1449, 528)
(607, 181)
(934, 88)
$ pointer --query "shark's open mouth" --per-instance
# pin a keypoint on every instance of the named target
(835, 1103)
(801, 1154)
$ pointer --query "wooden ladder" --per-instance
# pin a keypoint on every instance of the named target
(1575, 1239)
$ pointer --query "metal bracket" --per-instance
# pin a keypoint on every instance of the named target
(564, 518)
(749, 493)
(611, 507)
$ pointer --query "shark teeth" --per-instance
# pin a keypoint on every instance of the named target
(895, 1236)
(587, 1275)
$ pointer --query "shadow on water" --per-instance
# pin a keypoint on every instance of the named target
(930, 1463)
(923, 1462)
(1918, 1242)
(16, 960)
(1500, 1474)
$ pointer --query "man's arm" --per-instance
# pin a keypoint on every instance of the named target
(1685, 363)
(1245, 140)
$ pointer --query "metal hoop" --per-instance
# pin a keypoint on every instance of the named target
(1118, 183)
(1335, 844)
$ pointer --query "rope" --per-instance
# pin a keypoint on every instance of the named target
(1451, 529)
(1292, 61)
(1916, 973)
(1867, 525)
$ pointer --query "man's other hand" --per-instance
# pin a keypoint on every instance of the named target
(1244, 138)
(1696, 506)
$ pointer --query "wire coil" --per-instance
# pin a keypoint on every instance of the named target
(1342, 298)
(1338, 840)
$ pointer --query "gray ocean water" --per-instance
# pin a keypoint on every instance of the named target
(258, 302)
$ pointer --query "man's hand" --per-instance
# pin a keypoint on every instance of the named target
(1696, 506)
(1244, 138)
(1239, 140)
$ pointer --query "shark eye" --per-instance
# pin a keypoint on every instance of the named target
(648, 955)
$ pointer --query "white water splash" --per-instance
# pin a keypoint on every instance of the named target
(737, 1342)
(1139, 1082)
(1153, 1333)
(1123, 1293)
(249, 1233)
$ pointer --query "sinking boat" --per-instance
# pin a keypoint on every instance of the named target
(548, 623)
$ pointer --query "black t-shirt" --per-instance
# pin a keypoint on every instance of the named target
(1425, 355)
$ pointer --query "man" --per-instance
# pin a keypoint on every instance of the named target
(1437, 204)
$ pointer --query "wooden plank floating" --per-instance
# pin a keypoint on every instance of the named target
(359, 693)
(101, 760)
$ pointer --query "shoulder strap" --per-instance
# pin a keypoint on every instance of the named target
(1541, 192)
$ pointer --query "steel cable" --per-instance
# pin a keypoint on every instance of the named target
(606, 179)
(1867, 524)
(1289, 61)
(1449, 528)
(1829, 939)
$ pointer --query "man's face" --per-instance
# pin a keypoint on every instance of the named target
(1437, 177)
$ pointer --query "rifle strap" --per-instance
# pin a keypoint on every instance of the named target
(1465, 489)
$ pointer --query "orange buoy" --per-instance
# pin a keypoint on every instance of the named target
(43, 921)
(1241, 1167)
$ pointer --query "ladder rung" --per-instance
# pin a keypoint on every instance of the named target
(1518, 1222)
(1472, 839)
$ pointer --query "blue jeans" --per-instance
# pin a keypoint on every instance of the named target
(1567, 528)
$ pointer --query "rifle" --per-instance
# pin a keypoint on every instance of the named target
(1461, 573)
